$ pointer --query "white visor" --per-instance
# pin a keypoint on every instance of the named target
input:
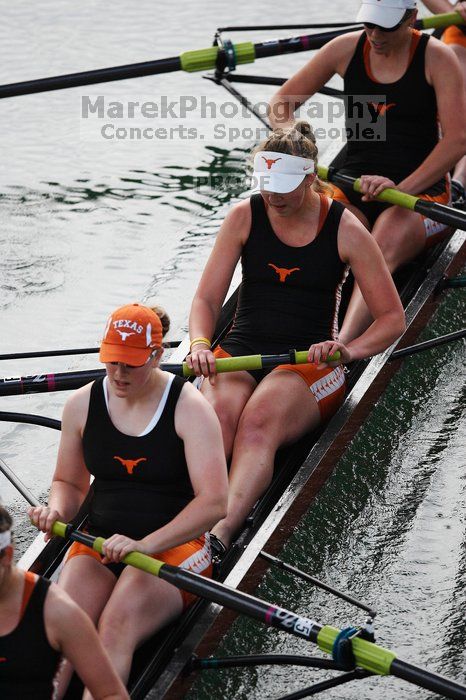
(384, 13)
(280, 172)
(5, 539)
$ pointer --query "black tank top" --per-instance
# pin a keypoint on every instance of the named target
(409, 110)
(27, 661)
(289, 296)
(141, 483)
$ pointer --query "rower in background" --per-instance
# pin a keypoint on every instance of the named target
(154, 446)
(39, 623)
(295, 246)
(455, 38)
(419, 78)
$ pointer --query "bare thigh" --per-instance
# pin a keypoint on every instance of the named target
(283, 407)
(229, 396)
(88, 583)
(139, 605)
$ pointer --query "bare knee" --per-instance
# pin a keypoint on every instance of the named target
(256, 428)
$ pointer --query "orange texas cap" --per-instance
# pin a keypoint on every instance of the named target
(132, 333)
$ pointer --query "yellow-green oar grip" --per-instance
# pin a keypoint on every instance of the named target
(407, 201)
(136, 559)
(367, 655)
(206, 59)
(443, 20)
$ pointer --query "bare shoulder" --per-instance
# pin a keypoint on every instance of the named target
(61, 613)
(351, 234)
(238, 220)
(192, 410)
(440, 58)
(341, 49)
(77, 406)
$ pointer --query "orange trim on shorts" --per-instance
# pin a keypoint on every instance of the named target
(327, 385)
(30, 580)
(454, 35)
(220, 352)
(192, 556)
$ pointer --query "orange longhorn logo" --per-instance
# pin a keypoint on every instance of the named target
(270, 161)
(129, 464)
(282, 272)
(382, 108)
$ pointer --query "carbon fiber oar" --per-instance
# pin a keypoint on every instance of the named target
(433, 210)
(64, 381)
(199, 60)
(368, 656)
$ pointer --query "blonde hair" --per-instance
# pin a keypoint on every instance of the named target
(297, 140)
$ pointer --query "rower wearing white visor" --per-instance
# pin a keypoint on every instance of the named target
(295, 247)
(38, 624)
(412, 83)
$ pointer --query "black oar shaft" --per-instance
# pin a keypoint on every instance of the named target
(91, 77)
(36, 384)
(18, 484)
(428, 344)
(432, 210)
(425, 679)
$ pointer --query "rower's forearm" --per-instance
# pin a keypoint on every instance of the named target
(440, 161)
(281, 112)
(438, 6)
(202, 319)
(194, 520)
(66, 499)
(382, 333)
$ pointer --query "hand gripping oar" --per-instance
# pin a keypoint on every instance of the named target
(62, 381)
(367, 655)
(199, 60)
(433, 210)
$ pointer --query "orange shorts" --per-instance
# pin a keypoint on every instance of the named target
(435, 231)
(193, 556)
(454, 35)
(328, 385)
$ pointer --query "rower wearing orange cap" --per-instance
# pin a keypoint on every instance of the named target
(413, 80)
(154, 447)
(295, 247)
(38, 624)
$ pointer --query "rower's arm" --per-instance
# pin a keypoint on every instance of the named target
(330, 59)
(70, 631)
(219, 270)
(438, 7)
(198, 426)
(443, 68)
(358, 248)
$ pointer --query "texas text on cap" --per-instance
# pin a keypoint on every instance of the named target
(280, 172)
(385, 13)
(132, 333)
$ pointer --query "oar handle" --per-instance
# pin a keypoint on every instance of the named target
(442, 20)
(254, 362)
(390, 195)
